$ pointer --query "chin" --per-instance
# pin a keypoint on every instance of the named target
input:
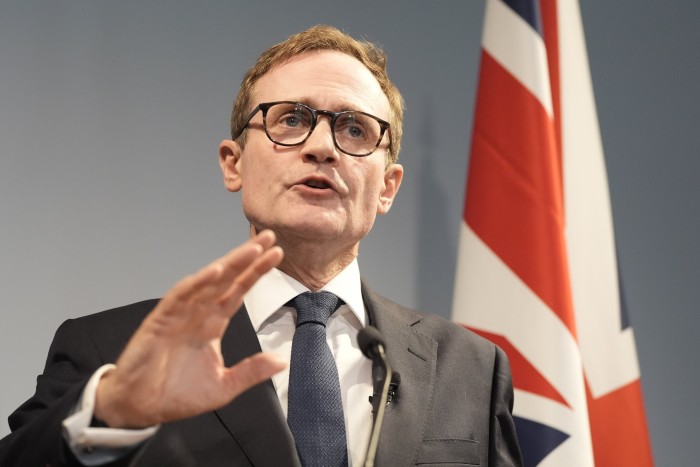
(317, 229)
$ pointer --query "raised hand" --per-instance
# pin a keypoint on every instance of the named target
(172, 367)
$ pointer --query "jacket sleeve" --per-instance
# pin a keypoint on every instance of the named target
(503, 448)
(36, 438)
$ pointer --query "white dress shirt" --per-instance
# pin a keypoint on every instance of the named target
(274, 324)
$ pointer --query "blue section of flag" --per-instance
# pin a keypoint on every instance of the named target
(624, 316)
(529, 10)
(536, 440)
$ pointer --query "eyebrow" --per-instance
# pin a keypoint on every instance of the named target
(339, 108)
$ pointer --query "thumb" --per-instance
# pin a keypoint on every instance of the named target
(251, 371)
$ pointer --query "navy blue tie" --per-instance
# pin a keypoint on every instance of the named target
(315, 410)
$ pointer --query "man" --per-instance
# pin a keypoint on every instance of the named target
(316, 130)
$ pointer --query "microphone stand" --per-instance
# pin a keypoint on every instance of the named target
(379, 414)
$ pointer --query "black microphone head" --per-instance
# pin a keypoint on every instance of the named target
(395, 378)
(368, 339)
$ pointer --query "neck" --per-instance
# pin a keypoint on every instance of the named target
(315, 264)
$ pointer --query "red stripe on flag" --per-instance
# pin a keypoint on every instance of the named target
(514, 192)
(619, 427)
(551, 39)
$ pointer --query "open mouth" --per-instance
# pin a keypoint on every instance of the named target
(317, 184)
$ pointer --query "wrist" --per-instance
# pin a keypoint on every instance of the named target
(114, 407)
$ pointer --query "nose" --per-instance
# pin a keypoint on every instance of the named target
(319, 147)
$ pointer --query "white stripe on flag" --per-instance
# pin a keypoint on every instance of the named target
(609, 354)
(512, 42)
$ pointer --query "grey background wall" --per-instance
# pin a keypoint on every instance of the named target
(111, 113)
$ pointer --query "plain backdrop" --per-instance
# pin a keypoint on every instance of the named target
(111, 114)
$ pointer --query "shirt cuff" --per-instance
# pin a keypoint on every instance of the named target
(94, 445)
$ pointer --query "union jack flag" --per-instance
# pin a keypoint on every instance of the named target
(537, 271)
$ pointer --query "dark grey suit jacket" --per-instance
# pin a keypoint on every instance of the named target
(453, 405)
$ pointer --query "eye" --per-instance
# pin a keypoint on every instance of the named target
(353, 132)
(291, 120)
(351, 127)
(286, 117)
(295, 118)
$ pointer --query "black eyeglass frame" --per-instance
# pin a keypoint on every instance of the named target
(265, 106)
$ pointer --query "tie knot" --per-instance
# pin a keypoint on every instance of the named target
(315, 307)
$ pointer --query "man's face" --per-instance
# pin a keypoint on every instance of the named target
(313, 192)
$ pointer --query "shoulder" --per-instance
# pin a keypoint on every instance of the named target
(107, 332)
(447, 334)
(115, 319)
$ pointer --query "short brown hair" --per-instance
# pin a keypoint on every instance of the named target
(322, 37)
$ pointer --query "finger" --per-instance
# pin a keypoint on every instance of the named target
(251, 371)
(238, 260)
(215, 278)
(227, 304)
(230, 300)
(234, 268)
(266, 238)
(260, 242)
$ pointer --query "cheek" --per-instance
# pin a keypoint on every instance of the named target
(255, 174)
(255, 184)
(370, 189)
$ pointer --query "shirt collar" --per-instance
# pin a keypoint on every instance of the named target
(274, 289)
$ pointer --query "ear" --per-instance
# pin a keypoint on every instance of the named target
(392, 181)
(230, 163)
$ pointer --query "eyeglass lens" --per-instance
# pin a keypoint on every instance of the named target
(354, 132)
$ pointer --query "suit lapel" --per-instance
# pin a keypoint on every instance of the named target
(256, 421)
(413, 356)
(255, 418)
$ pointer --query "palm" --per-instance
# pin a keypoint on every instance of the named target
(172, 368)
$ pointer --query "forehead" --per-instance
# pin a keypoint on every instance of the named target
(327, 80)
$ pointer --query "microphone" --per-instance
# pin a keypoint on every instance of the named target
(391, 395)
(369, 339)
(393, 387)
(371, 343)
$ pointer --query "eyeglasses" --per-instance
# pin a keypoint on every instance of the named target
(291, 123)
